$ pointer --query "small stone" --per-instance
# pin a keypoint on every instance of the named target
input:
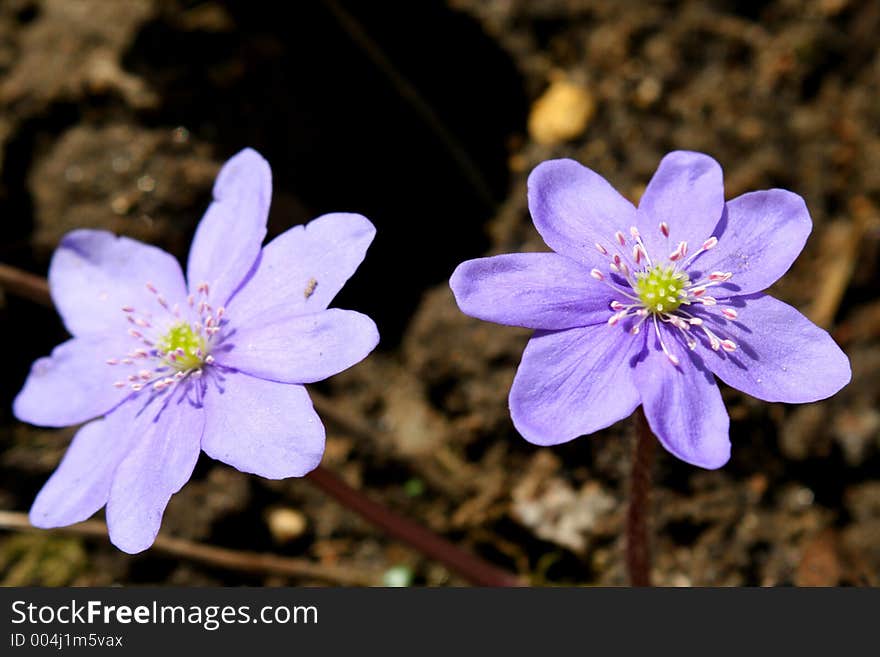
(397, 576)
(286, 525)
(561, 113)
(648, 92)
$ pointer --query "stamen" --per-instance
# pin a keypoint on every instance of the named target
(728, 345)
(664, 228)
(729, 313)
(710, 243)
(620, 238)
(601, 249)
(599, 276)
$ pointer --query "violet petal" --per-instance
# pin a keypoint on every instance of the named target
(305, 267)
(573, 382)
(781, 356)
(94, 274)
(228, 239)
(266, 428)
(534, 290)
(282, 345)
(164, 453)
(683, 404)
(687, 193)
(74, 384)
(574, 208)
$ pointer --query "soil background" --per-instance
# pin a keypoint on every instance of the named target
(427, 117)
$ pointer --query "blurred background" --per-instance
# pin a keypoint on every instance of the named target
(427, 117)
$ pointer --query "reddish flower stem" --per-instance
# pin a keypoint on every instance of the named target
(472, 568)
(638, 549)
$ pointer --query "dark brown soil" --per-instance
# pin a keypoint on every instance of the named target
(118, 115)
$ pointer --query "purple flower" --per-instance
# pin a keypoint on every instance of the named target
(216, 362)
(644, 305)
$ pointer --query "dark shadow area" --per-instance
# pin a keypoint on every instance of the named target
(339, 134)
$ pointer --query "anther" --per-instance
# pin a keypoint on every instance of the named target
(151, 288)
(720, 276)
(112, 361)
(728, 345)
(729, 313)
(664, 228)
(634, 232)
(599, 276)
(601, 249)
(620, 238)
(710, 243)
(127, 309)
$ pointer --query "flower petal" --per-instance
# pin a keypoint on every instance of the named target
(687, 193)
(262, 427)
(228, 239)
(781, 356)
(73, 385)
(94, 274)
(293, 348)
(573, 382)
(166, 448)
(759, 238)
(574, 207)
(305, 267)
(534, 290)
(80, 485)
(683, 404)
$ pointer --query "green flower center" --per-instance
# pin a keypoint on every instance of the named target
(659, 288)
(183, 348)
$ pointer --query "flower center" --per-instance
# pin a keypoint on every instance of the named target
(184, 349)
(660, 288)
(653, 291)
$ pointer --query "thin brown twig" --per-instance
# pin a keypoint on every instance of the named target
(238, 560)
(638, 545)
(24, 284)
(469, 566)
(428, 543)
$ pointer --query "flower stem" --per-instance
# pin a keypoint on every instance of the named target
(638, 551)
(471, 567)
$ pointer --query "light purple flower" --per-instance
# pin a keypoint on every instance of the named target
(642, 306)
(216, 362)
